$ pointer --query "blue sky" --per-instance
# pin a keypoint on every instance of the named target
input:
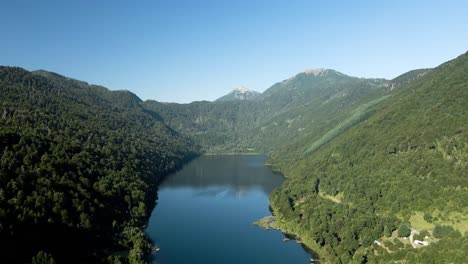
(181, 51)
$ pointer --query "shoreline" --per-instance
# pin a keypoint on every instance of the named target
(233, 154)
(269, 222)
(312, 248)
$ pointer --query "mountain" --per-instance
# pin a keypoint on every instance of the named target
(79, 166)
(240, 93)
(405, 165)
(311, 103)
(307, 105)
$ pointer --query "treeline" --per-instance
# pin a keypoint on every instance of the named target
(78, 169)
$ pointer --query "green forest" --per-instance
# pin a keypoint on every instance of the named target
(371, 164)
(404, 165)
(78, 169)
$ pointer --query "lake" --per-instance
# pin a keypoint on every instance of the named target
(205, 211)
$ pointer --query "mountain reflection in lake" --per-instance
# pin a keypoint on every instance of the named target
(205, 213)
(238, 173)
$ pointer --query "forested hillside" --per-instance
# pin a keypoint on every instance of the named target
(403, 167)
(78, 168)
(219, 127)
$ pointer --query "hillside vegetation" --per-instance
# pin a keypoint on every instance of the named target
(410, 156)
(78, 168)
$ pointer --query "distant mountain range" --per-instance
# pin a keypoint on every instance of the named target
(363, 157)
(306, 105)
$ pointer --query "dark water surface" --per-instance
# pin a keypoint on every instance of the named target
(205, 213)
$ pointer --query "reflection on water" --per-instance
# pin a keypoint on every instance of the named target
(215, 174)
(206, 210)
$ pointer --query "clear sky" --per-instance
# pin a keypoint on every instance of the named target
(182, 51)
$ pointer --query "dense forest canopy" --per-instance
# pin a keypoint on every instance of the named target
(366, 161)
(78, 167)
(407, 160)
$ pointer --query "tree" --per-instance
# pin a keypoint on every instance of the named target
(428, 217)
(316, 184)
(441, 231)
(403, 230)
(424, 233)
(387, 232)
(43, 258)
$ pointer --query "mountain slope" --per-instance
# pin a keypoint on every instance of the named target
(120, 98)
(78, 164)
(317, 122)
(410, 76)
(409, 158)
(310, 104)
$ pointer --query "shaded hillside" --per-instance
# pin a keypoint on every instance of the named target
(408, 159)
(78, 168)
(218, 127)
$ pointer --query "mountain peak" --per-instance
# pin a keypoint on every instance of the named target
(242, 89)
(316, 71)
(240, 93)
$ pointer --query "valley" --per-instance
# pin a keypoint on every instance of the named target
(363, 158)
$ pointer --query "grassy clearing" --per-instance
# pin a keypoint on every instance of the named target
(417, 222)
(336, 199)
(458, 221)
(357, 115)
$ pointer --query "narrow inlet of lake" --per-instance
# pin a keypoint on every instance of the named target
(205, 214)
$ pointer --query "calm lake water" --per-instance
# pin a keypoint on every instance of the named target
(205, 213)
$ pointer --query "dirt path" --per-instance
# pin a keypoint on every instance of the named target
(413, 232)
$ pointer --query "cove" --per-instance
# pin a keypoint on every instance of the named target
(205, 211)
